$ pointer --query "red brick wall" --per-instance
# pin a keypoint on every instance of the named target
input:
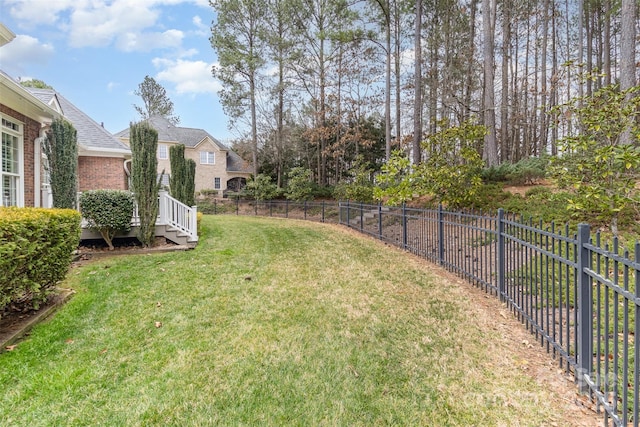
(30, 133)
(101, 173)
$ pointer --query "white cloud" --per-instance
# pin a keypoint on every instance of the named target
(112, 85)
(46, 12)
(103, 23)
(145, 42)
(129, 24)
(202, 29)
(23, 51)
(188, 77)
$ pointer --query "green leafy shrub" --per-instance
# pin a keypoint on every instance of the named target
(496, 174)
(451, 173)
(300, 184)
(107, 211)
(261, 187)
(360, 187)
(600, 161)
(36, 246)
(61, 148)
(144, 178)
(526, 172)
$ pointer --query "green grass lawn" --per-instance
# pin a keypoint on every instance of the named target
(267, 322)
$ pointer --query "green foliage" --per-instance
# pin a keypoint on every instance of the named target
(190, 184)
(144, 178)
(394, 184)
(359, 188)
(300, 185)
(107, 211)
(38, 84)
(526, 172)
(35, 253)
(450, 174)
(599, 168)
(183, 174)
(156, 101)
(61, 148)
(261, 187)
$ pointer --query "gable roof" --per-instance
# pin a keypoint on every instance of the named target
(17, 97)
(92, 136)
(191, 138)
(168, 132)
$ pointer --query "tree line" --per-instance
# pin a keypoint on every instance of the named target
(316, 83)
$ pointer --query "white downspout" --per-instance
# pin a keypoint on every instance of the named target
(37, 165)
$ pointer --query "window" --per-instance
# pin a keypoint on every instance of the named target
(216, 183)
(10, 155)
(162, 152)
(207, 158)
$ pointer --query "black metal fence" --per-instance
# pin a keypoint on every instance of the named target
(579, 296)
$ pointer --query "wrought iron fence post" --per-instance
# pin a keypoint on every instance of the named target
(585, 309)
(404, 225)
(361, 217)
(305, 210)
(323, 211)
(237, 205)
(286, 208)
(380, 220)
(348, 214)
(500, 256)
(440, 235)
(215, 206)
(636, 374)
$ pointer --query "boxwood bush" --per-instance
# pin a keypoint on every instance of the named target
(107, 211)
(36, 247)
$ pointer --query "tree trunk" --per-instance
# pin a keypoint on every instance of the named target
(417, 104)
(628, 54)
(489, 112)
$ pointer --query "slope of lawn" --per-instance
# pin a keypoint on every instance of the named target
(266, 322)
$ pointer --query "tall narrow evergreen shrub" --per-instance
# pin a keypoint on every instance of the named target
(61, 148)
(190, 183)
(183, 171)
(178, 170)
(144, 178)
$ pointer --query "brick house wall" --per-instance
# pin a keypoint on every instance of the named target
(101, 173)
(31, 131)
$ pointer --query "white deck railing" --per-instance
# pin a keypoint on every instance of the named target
(175, 214)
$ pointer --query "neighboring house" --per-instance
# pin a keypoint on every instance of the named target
(218, 168)
(101, 156)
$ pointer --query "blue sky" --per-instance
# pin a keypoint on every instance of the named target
(96, 52)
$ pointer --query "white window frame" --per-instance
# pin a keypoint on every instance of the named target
(18, 177)
(207, 158)
(163, 152)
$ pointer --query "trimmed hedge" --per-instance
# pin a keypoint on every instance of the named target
(36, 246)
(108, 212)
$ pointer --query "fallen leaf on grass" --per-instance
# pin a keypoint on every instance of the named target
(68, 341)
(158, 304)
(10, 347)
(158, 324)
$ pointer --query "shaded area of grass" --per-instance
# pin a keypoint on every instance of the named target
(267, 322)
